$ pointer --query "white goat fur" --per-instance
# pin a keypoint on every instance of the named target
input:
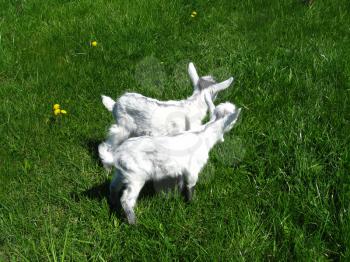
(180, 156)
(137, 115)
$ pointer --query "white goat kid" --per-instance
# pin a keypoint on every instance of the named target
(180, 156)
(137, 115)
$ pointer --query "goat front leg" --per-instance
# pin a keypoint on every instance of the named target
(188, 193)
(128, 200)
(183, 189)
(190, 181)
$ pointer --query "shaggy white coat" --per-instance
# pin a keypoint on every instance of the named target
(180, 156)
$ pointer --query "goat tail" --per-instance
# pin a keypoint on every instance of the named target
(106, 155)
(108, 102)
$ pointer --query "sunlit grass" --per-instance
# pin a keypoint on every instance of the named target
(278, 188)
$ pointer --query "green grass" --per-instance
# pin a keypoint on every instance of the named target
(278, 188)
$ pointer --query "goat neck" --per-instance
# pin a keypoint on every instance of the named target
(196, 103)
(213, 133)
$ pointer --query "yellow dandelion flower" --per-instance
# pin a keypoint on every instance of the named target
(63, 111)
(94, 43)
(57, 112)
(193, 14)
(56, 106)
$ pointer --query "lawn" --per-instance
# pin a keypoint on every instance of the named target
(278, 188)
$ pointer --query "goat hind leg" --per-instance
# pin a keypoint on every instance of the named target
(128, 200)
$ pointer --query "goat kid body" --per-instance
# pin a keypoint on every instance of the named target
(145, 158)
(147, 116)
(137, 115)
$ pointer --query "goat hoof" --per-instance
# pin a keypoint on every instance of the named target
(131, 218)
(132, 221)
(188, 194)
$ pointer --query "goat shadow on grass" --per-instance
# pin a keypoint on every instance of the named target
(100, 192)
(92, 146)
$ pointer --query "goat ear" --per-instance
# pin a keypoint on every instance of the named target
(231, 119)
(192, 72)
(210, 105)
(222, 86)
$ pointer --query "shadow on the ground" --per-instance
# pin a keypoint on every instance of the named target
(91, 145)
(100, 192)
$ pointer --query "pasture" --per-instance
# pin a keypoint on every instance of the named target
(277, 189)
